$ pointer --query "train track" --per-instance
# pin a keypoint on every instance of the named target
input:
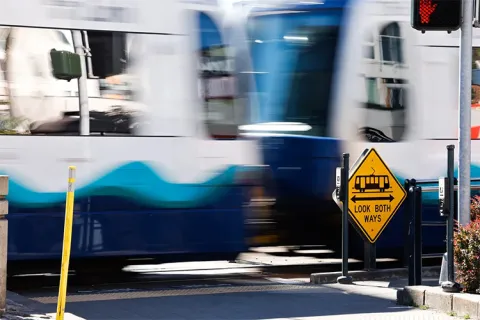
(167, 277)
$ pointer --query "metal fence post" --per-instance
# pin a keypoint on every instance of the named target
(406, 224)
(3, 243)
(410, 211)
(417, 235)
(370, 256)
(345, 278)
(451, 194)
(450, 285)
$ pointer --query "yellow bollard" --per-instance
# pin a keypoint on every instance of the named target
(67, 239)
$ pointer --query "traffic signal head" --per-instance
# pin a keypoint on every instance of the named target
(436, 15)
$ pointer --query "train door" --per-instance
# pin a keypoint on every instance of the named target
(381, 183)
(379, 82)
(386, 85)
(362, 183)
(223, 92)
(223, 107)
(378, 90)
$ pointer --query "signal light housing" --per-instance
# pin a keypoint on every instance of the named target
(436, 15)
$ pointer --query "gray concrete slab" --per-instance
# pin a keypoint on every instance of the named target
(465, 305)
(272, 299)
(22, 308)
(379, 274)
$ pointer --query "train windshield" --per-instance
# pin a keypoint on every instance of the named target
(293, 56)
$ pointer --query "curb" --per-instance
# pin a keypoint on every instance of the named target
(21, 307)
(363, 275)
(459, 304)
(317, 267)
(28, 303)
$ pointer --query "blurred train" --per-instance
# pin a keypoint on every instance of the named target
(163, 173)
(336, 76)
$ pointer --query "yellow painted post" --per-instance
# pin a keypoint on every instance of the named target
(67, 239)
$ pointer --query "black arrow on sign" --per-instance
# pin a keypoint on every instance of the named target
(389, 198)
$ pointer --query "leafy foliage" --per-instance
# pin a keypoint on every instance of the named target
(11, 125)
(475, 207)
(467, 250)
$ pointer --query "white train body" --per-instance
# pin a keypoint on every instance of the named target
(170, 182)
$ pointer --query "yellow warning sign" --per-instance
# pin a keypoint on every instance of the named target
(374, 195)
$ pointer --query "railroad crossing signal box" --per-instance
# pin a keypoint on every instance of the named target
(374, 195)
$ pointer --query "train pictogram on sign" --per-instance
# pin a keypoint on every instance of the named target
(372, 183)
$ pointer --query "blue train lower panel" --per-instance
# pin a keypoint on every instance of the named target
(394, 237)
(304, 174)
(116, 227)
(302, 167)
(433, 237)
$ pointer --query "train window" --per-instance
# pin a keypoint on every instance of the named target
(386, 86)
(294, 58)
(391, 43)
(218, 81)
(372, 92)
(109, 52)
(33, 101)
(36, 102)
(369, 46)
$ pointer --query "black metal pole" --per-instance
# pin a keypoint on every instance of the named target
(450, 285)
(411, 232)
(417, 235)
(345, 278)
(406, 224)
(370, 256)
(451, 192)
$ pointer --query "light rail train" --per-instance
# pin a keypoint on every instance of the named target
(340, 76)
(162, 172)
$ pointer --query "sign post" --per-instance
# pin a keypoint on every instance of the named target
(446, 197)
(342, 194)
(370, 195)
(464, 114)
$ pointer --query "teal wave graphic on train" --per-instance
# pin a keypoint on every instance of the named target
(139, 182)
(136, 181)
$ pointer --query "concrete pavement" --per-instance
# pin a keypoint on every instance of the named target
(21, 308)
(243, 299)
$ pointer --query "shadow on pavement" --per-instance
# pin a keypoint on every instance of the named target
(289, 303)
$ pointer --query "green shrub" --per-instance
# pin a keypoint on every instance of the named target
(467, 251)
(475, 207)
(10, 125)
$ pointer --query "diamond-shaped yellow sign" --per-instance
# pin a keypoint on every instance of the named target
(374, 195)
